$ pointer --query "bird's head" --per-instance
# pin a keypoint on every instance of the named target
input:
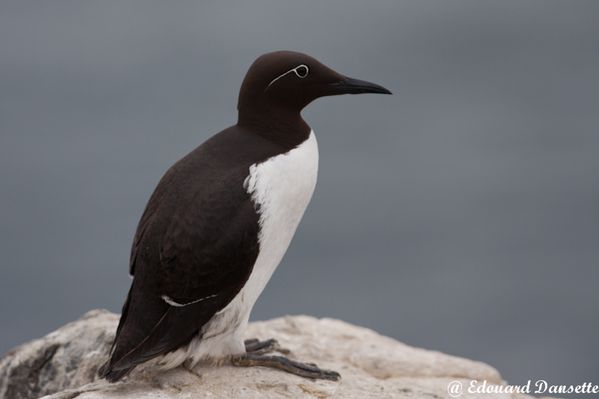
(288, 81)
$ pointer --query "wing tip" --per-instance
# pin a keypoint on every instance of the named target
(111, 375)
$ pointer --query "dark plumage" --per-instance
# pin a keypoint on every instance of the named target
(198, 219)
(198, 238)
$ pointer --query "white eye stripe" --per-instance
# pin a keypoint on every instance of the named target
(301, 71)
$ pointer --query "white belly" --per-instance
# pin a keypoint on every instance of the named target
(281, 188)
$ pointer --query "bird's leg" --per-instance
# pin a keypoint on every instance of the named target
(306, 370)
(257, 347)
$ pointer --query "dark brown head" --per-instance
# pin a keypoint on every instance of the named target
(287, 81)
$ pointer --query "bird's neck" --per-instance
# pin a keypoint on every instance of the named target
(281, 125)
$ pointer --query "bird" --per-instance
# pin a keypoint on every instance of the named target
(219, 223)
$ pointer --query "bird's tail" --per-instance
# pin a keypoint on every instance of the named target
(106, 371)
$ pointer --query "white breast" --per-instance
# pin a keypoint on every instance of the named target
(281, 188)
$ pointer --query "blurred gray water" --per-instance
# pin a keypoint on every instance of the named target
(460, 214)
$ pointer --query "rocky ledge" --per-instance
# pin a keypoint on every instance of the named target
(63, 365)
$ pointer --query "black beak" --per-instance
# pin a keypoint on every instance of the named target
(356, 86)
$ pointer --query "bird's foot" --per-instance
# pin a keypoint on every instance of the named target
(257, 347)
(191, 370)
(306, 370)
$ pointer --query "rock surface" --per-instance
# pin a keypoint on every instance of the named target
(63, 364)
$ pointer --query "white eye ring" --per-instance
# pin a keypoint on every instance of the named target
(305, 71)
(301, 71)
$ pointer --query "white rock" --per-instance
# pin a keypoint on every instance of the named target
(63, 364)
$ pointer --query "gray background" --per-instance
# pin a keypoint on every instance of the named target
(460, 214)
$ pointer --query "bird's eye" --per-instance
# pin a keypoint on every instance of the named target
(301, 71)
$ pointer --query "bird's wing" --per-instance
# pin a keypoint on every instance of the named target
(193, 253)
(153, 205)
